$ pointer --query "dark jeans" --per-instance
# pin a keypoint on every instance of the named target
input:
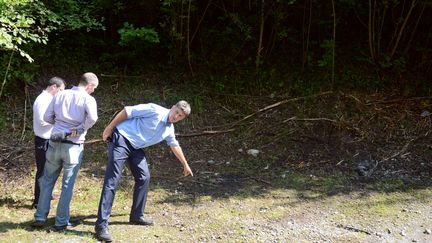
(120, 151)
(41, 146)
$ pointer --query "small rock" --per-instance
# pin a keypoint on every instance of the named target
(425, 114)
(240, 150)
(403, 233)
(263, 209)
(414, 240)
(211, 162)
(389, 231)
(253, 152)
(427, 231)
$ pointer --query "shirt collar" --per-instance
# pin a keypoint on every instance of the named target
(166, 118)
(78, 88)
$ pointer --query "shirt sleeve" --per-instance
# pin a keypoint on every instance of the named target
(49, 113)
(171, 139)
(38, 115)
(142, 110)
(91, 109)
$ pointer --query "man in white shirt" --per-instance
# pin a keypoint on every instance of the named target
(42, 129)
(72, 112)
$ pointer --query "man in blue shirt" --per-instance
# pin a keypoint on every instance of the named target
(134, 128)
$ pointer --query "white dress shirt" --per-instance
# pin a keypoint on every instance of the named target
(41, 128)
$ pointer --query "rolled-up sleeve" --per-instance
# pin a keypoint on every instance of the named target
(171, 139)
(91, 109)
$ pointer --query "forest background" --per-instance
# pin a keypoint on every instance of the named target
(263, 47)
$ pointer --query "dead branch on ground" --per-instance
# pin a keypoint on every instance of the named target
(309, 119)
(398, 100)
(278, 104)
(205, 133)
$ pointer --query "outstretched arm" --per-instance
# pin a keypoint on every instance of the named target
(119, 118)
(180, 156)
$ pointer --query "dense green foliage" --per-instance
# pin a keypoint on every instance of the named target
(275, 45)
(24, 22)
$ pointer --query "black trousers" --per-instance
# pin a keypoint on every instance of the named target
(41, 146)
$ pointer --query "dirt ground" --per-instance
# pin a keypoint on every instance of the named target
(333, 167)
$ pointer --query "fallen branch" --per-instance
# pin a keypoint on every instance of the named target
(244, 118)
(398, 100)
(178, 135)
(309, 119)
(94, 141)
(204, 133)
(120, 76)
(404, 148)
(278, 104)
(351, 228)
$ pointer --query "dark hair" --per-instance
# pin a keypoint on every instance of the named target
(57, 81)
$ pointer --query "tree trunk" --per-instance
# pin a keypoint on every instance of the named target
(306, 45)
(334, 43)
(259, 50)
(401, 31)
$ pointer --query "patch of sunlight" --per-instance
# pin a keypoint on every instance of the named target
(424, 195)
(283, 193)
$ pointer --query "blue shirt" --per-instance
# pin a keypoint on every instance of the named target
(146, 125)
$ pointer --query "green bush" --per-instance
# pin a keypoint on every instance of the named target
(129, 35)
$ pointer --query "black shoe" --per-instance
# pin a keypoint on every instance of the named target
(38, 224)
(72, 223)
(141, 221)
(56, 228)
(103, 235)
